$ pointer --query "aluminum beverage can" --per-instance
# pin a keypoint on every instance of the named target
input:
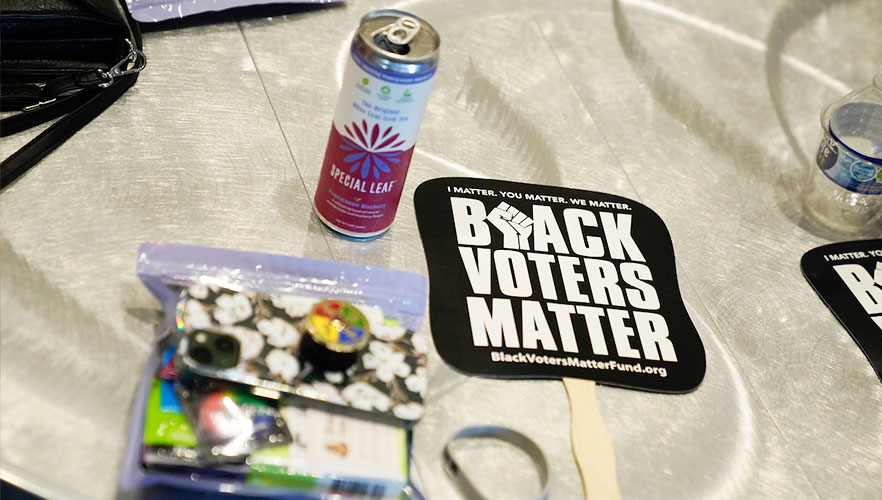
(386, 83)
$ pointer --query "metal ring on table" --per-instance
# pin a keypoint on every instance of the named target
(504, 434)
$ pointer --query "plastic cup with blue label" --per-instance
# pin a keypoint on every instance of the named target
(844, 188)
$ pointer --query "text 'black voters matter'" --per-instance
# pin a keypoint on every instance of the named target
(549, 282)
(848, 277)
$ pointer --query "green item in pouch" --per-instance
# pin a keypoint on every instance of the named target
(165, 428)
(265, 474)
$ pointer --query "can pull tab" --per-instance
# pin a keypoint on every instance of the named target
(399, 33)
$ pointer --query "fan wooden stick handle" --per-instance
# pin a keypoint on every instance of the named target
(592, 445)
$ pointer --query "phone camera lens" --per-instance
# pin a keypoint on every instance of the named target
(225, 345)
(201, 355)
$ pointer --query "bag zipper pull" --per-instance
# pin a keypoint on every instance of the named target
(38, 105)
(133, 62)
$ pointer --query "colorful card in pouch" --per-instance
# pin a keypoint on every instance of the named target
(228, 425)
(848, 277)
(169, 440)
(164, 424)
(168, 401)
(333, 453)
(167, 370)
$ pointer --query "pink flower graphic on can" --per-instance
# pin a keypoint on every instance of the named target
(371, 151)
(362, 177)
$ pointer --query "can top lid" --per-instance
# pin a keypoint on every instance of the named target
(399, 41)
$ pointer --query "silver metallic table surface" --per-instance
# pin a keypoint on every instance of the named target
(704, 111)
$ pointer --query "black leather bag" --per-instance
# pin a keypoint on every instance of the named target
(67, 59)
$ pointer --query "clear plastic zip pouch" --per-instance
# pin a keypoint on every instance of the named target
(338, 337)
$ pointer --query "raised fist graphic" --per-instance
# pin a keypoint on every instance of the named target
(515, 226)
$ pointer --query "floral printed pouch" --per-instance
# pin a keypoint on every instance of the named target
(261, 300)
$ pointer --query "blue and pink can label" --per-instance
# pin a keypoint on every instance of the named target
(372, 140)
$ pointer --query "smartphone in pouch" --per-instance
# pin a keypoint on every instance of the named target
(323, 349)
